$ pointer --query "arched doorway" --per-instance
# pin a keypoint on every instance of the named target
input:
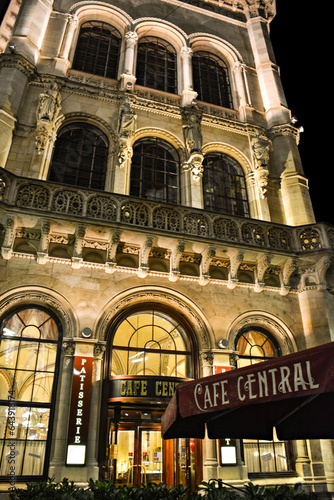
(151, 349)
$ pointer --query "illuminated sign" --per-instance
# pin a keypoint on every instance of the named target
(154, 388)
(79, 413)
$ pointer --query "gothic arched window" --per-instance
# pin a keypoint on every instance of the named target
(29, 357)
(255, 345)
(155, 171)
(211, 81)
(98, 49)
(80, 156)
(224, 186)
(156, 64)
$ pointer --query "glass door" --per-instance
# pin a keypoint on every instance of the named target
(185, 462)
(139, 456)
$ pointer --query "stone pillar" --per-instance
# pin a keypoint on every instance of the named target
(62, 60)
(268, 72)
(128, 78)
(30, 27)
(60, 429)
(188, 93)
(94, 419)
(303, 462)
(15, 73)
(285, 163)
(210, 463)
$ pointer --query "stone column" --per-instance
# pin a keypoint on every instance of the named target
(268, 72)
(303, 462)
(15, 73)
(60, 429)
(188, 93)
(95, 411)
(210, 463)
(30, 27)
(128, 78)
(62, 60)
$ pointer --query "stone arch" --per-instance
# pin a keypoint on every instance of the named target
(100, 11)
(239, 156)
(46, 298)
(216, 45)
(158, 295)
(88, 118)
(267, 321)
(161, 134)
(162, 29)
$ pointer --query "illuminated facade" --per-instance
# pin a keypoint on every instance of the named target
(155, 226)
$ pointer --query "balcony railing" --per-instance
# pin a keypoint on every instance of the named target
(51, 200)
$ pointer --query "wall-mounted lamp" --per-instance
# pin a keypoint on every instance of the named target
(222, 343)
(86, 333)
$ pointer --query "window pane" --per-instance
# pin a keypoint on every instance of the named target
(27, 374)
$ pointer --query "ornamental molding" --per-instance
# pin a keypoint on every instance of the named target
(43, 298)
(158, 132)
(18, 62)
(157, 296)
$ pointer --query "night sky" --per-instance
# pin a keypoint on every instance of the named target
(297, 34)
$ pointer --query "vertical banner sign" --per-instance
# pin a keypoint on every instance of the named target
(79, 411)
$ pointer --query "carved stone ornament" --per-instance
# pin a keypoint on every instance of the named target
(48, 109)
(261, 149)
(126, 128)
(194, 165)
(192, 133)
(160, 297)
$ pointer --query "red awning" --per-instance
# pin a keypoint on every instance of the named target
(293, 393)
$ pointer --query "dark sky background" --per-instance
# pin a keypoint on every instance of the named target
(298, 34)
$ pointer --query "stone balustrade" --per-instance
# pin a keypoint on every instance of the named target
(50, 199)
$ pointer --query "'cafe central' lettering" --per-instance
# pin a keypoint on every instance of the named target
(142, 387)
(253, 386)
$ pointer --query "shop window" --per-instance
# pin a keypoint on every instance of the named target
(98, 49)
(150, 342)
(155, 171)
(156, 65)
(211, 81)
(80, 156)
(29, 355)
(262, 457)
(224, 185)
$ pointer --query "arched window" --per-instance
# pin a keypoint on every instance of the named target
(29, 356)
(80, 156)
(151, 342)
(98, 49)
(155, 171)
(156, 64)
(224, 186)
(211, 81)
(255, 345)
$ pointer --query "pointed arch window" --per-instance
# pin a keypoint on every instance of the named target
(155, 171)
(98, 49)
(224, 185)
(156, 64)
(80, 156)
(211, 80)
(30, 341)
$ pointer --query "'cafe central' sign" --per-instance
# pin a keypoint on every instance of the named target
(142, 387)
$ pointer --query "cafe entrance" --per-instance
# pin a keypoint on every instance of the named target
(151, 351)
(137, 454)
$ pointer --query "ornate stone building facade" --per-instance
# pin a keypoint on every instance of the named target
(155, 225)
